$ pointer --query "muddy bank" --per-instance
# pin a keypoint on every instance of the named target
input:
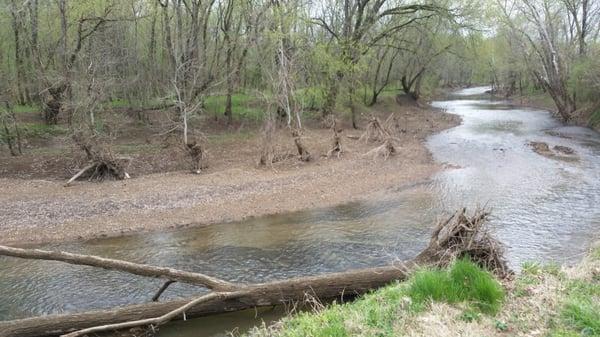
(36, 211)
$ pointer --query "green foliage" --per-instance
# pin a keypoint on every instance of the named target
(40, 130)
(311, 98)
(465, 281)
(501, 326)
(20, 109)
(477, 285)
(583, 315)
(243, 106)
(434, 285)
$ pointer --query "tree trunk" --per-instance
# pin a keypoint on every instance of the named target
(230, 80)
(344, 285)
(331, 96)
(16, 26)
(111, 264)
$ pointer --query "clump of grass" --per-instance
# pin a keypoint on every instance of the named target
(583, 315)
(464, 282)
(477, 285)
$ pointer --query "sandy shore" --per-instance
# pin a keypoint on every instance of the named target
(40, 211)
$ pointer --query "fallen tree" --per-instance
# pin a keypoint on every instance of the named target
(337, 285)
(457, 236)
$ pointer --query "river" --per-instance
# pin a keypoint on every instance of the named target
(544, 209)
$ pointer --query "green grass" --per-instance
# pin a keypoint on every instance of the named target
(464, 282)
(40, 130)
(379, 313)
(580, 314)
(18, 109)
(243, 106)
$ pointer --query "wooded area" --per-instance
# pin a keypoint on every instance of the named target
(277, 63)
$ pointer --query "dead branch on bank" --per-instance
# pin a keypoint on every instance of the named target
(102, 164)
(462, 235)
(459, 235)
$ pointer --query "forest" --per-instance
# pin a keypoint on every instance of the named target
(92, 71)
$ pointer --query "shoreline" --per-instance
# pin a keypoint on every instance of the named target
(43, 211)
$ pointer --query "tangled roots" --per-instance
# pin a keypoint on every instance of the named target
(102, 164)
(198, 156)
(375, 132)
(384, 151)
(462, 235)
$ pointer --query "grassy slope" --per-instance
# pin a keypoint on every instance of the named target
(465, 301)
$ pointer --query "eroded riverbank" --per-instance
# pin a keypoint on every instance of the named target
(42, 211)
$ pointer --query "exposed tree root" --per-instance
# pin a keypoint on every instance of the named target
(463, 235)
(102, 164)
(303, 153)
(392, 125)
(336, 144)
(198, 156)
(375, 132)
(384, 151)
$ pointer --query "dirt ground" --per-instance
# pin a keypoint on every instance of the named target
(37, 208)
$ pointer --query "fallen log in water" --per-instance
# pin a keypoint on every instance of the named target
(329, 286)
(457, 236)
(125, 266)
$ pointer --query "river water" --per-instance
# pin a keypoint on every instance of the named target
(544, 209)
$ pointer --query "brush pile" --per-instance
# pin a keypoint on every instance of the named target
(102, 163)
(375, 132)
(462, 235)
(383, 133)
(197, 155)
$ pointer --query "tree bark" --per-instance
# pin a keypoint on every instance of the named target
(345, 285)
(111, 264)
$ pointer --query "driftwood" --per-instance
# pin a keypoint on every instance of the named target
(125, 266)
(455, 237)
(344, 285)
(102, 164)
(463, 235)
